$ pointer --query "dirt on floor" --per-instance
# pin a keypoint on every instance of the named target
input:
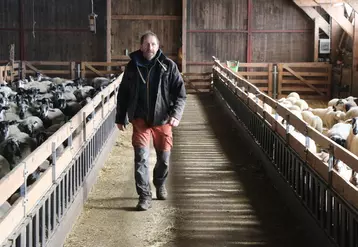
(109, 218)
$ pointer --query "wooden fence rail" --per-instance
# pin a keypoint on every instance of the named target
(310, 80)
(16, 178)
(236, 83)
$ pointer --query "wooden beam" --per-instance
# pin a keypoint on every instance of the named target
(313, 14)
(354, 82)
(344, 34)
(108, 30)
(336, 34)
(316, 40)
(184, 33)
(312, 3)
(340, 19)
(93, 69)
(353, 4)
(147, 17)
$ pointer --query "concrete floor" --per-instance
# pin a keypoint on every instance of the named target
(219, 194)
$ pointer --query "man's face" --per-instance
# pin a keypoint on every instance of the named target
(149, 47)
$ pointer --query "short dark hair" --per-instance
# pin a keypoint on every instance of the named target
(147, 34)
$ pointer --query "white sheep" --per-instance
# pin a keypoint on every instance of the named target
(293, 100)
(339, 133)
(294, 95)
(312, 120)
(302, 104)
(352, 139)
(328, 116)
(351, 113)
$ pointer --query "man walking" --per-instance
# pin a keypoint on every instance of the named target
(151, 97)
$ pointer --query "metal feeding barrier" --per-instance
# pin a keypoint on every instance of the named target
(47, 209)
(331, 202)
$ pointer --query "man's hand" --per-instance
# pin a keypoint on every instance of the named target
(121, 127)
(173, 121)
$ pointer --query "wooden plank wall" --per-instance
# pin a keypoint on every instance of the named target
(211, 31)
(61, 30)
(130, 20)
(279, 31)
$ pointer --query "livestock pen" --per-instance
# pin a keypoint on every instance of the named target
(44, 213)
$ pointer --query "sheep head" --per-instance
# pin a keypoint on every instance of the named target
(43, 111)
(4, 130)
(355, 125)
(339, 140)
(12, 150)
(41, 138)
(23, 109)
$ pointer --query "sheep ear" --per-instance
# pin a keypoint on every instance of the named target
(348, 120)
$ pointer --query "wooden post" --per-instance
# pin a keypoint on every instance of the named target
(316, 39)
(354, 82)
(23, 70)
(83, 69)
(1, 73)
(270, 81)
(184, 32)
(72, 70)
(279, 80)
(329, 91)
(109, 27)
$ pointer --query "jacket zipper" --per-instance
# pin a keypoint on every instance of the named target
(148, 93)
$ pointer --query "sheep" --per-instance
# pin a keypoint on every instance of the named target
(301, 104)
(351, 113)
(4, 166)
(328, 116)
(7, 129)
(294, 95)
(293, 100)
(341, 106)
(100, 82)
(15, 150)
(30, 125)
(352, 139)
(294, 108)
(334, 101)
(312, 120)
(339, 133)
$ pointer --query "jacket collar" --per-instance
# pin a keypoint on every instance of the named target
(139, 60)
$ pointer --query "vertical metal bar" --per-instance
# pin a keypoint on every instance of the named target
(351, 231)
(343, 229)
(323, 207)
(30, 233)
(307, 177)
(63, 200)
(48, 215)
(42, 222)
(37, 228)
(54, 209)
(336, 213)
(329, 212)
(23, 236)
(275, 73)
(71, 172)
